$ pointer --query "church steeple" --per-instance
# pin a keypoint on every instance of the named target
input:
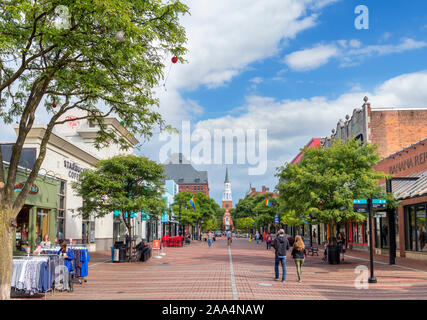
(227, 203)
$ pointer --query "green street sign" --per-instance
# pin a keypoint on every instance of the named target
(379, 203)
(360, 205)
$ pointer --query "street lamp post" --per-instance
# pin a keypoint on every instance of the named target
(372, 279)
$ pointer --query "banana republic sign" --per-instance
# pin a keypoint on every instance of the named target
(414, 161)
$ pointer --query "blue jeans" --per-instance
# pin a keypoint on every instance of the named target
(209, 242)
(282, 260)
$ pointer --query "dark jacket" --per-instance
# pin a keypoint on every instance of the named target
(280, 244)
(298, 254)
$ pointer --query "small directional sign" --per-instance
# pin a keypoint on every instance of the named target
(360, 205)
(379, 203)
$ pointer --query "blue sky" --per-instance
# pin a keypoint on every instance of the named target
(355, 63)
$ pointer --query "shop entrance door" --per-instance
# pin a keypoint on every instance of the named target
(42, 224)
(21, 234)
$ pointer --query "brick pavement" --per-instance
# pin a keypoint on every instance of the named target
(202, 273)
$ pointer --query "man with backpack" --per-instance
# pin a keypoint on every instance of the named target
(281, 245)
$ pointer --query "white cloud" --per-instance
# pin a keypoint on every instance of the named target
(256, 80)
(224, 36)
(350, 53)
(309, 59)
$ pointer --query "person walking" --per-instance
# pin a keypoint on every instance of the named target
(298, 253)
(210, 238)
(268, 239)
(257, 237)
(229, 237)
(281, 245)
(264, 235)
(341, 243)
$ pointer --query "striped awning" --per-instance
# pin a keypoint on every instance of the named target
(410, 189)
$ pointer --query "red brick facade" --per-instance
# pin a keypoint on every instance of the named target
(195, 188)
(394, 130)
(404, 163)
(264, 191)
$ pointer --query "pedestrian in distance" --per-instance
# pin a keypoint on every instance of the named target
(210, 238)
(229, 237)
(268, 240)
(298, 253)
(264, 235)
(257, 237)
(341, 243)
(281, 245)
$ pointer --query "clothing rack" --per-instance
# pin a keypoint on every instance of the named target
(45, 258)
(74, 246)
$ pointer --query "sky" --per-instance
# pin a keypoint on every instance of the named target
(291, 67)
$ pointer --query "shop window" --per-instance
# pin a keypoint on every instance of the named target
(415, 228)
(61, 216)
(88, 231)
(201, 188)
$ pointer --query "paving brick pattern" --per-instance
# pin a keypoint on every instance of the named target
(196, 272)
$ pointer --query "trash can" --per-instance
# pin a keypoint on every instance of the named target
(116, 255)
(112, 254)
(333, 254)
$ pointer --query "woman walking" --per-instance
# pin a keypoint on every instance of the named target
(298, 253)
(268, 239)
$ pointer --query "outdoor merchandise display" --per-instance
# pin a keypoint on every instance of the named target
(38, 274)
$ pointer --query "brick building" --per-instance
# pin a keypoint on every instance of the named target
(391, 129)
(411, 215)
(314, 143)
(178, 169)
(264, 191)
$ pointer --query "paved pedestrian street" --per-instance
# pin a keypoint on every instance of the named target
(244, 272)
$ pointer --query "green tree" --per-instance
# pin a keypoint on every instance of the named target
(95, 58)
(326, 181)
(204, 215)
(255, 208)
(245, 224)
(128, 184)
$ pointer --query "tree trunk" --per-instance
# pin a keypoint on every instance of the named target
(6, 252)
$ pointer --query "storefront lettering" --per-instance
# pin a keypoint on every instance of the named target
(33, 190)
(75, 169)
(409, 163)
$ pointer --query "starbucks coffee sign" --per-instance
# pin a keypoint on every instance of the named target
(74, 169)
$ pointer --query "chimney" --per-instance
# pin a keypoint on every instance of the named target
(253, 189)
(264, 189)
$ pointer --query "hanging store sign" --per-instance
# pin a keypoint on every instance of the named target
(276, 219)
(33, 190)
(165, 218)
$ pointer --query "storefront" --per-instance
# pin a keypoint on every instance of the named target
(357, 235)
(70, 150)
(409, 166)
(38, 217)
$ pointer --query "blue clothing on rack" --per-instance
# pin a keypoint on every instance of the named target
(85, 261)
(68, 261)
(44, 284)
